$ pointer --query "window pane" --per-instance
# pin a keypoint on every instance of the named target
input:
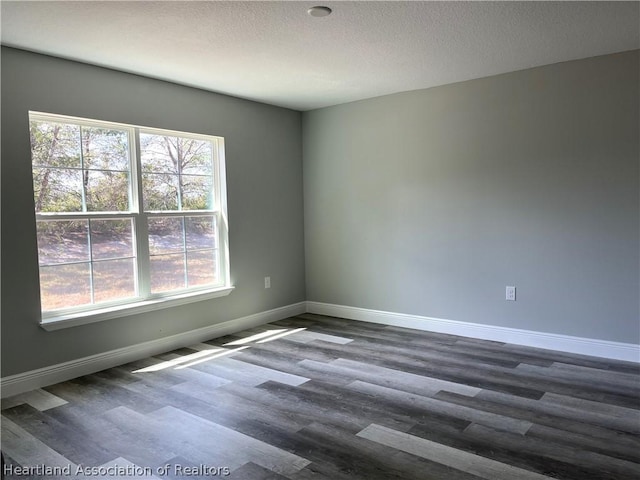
(196, 192)
(113, 279)
(200, 232)
(160, 191)
(106, 191)
(55, 144)
(105, 149)
(165, 235)
(57, 190)
(111, 239)
(198, 157)
(63, 286)
(202, 267)
(62, 241)
(167, 272)
(158, 153)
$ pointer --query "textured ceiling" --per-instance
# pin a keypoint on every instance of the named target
(275, 53)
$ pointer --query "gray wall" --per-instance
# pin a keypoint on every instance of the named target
(264, 180)
(430, 202)
(426, 202)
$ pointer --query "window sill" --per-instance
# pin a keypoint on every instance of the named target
(98, 315)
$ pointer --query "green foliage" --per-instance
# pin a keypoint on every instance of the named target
(55, 230)
(78, 168)
(177, 173)
(70, 161)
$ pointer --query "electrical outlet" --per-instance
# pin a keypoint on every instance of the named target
(267, 282)
(511, 293)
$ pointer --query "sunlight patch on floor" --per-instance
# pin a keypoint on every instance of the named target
(205, 355)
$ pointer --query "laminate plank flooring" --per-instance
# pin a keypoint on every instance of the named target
(467, 462)
(314, 397)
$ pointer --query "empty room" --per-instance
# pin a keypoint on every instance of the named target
(300, 240)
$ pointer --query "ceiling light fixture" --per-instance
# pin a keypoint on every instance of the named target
(319, 11)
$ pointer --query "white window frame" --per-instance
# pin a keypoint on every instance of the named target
(145, 301)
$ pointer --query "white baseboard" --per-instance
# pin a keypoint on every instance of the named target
(551, 341)
(23, 382)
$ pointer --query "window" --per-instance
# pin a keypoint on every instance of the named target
(125, 215)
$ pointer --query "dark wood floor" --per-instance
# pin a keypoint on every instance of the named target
(315, 397)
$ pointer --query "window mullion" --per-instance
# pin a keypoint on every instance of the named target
(179, 170)
(184, 249)
(83, 192)
(90, 247)
(142, 228)
(83, 215)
